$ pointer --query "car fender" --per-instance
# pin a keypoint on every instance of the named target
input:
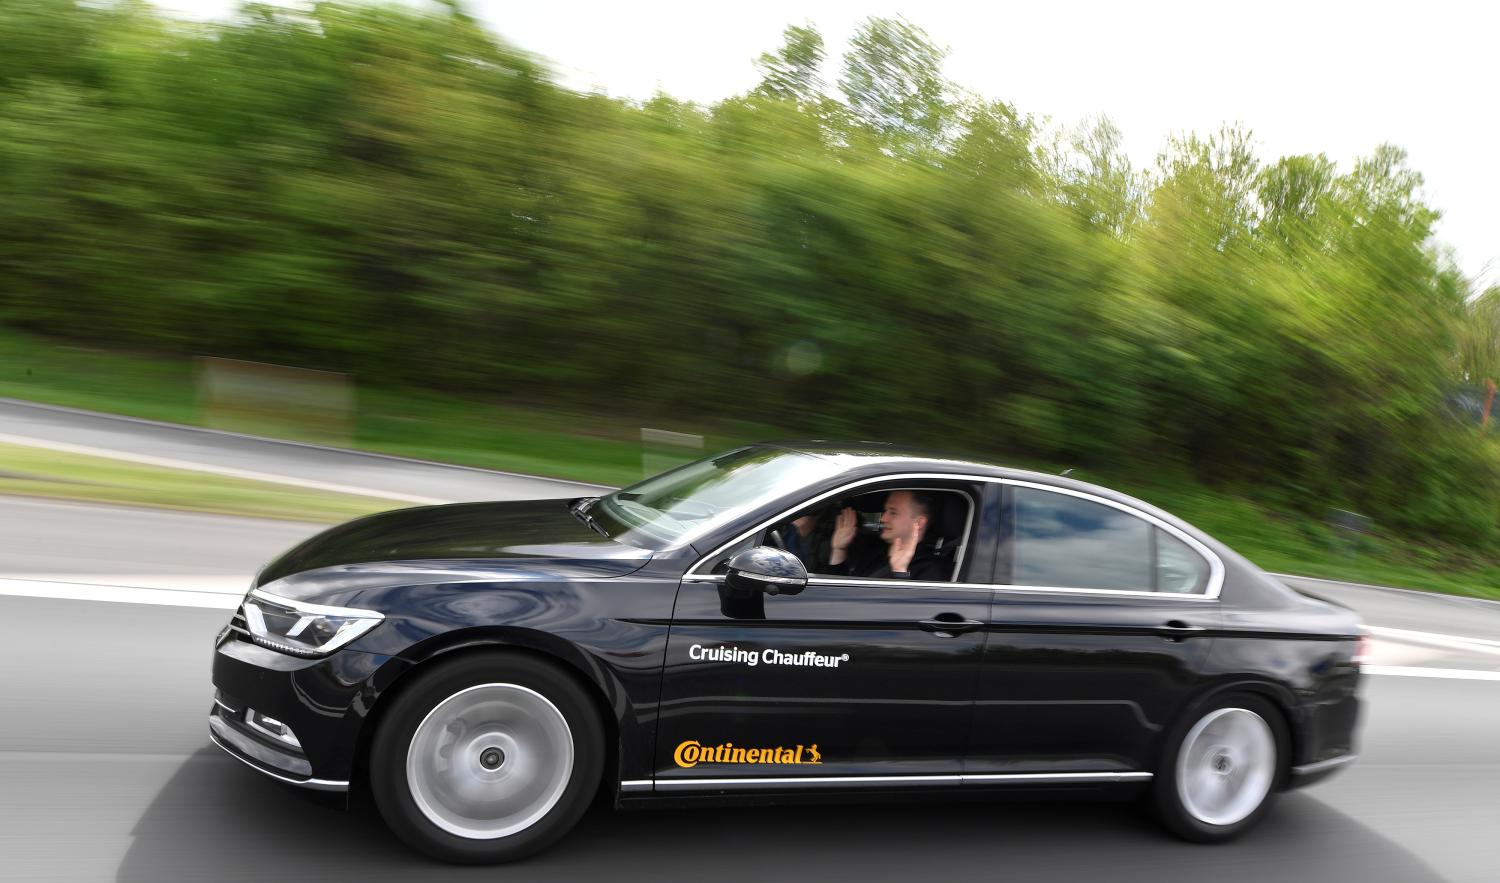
(620, 717)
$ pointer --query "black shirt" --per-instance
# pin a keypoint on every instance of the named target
(869, 556)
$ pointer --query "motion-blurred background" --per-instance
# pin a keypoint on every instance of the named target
(385, 227)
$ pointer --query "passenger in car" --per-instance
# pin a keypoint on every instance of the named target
(907, 554)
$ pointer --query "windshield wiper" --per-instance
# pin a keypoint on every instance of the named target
(580, 511)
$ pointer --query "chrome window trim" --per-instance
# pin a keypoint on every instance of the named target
(977, 587)
(965, 779)
(897, 583)
(1211, 588)
(828, 580)
(1113, 593)
(1210, 591)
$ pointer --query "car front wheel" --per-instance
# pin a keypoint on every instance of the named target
(489, 758)
(1221, 769)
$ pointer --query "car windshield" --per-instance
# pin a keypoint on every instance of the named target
(674, 507)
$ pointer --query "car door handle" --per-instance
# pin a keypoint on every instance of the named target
(947, 625)
(1176, 629)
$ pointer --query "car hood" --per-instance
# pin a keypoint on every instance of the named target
(474, 539)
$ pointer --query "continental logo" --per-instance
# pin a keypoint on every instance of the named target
(690, 754)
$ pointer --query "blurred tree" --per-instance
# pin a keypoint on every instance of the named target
(997, 142)
(50, 39)
(396, 193)
(791, 73)
(1093, 175)
(1479, 343)
(1291, 192)
(894, 85)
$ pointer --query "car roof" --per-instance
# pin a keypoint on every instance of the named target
(851, 457)
(848, 455)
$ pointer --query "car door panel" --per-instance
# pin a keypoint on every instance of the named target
(1074, 682)
(847, 671)
(1084, 677)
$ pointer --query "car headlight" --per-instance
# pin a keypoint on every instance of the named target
(303, 629)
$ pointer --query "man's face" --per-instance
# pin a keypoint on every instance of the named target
(900, 516)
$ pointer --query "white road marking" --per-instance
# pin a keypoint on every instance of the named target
(1473, 645)
(97, 757)
(1456, 674)
(227, 471)
(214, 584)
(31, 588)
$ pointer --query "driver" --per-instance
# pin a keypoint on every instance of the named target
(903, 524)
(799, 536)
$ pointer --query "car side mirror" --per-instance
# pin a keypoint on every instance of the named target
(768, 570)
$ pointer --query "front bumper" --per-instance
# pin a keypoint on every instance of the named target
(321, 703)
(229, 729)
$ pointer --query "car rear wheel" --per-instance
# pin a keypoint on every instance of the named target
(487, 759)
(1221, 769)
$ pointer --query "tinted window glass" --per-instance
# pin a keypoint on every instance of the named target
(666, 508)
(1178, 568)
(938, 555)
(1067, 542)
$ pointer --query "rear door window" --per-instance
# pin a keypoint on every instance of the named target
(1067, 542)
(1179, 569)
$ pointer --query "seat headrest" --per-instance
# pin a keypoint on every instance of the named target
(945, 517)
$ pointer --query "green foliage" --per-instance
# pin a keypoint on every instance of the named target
(399, 195)
(791, 73)
(1479, 339)
(893, 84)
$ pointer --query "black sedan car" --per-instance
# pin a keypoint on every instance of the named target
(776, 623)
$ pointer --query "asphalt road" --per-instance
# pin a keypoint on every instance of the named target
(108, 774)
(106, 771)
(86, 542)
(1419, 611)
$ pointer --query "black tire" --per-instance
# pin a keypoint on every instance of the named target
(452, 763)
(1181, 807)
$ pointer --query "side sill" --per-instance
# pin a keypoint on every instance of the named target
(819, 782)
(1308, 773)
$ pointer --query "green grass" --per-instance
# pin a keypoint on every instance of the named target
(606, 449)
(41, 472)
(410, 423)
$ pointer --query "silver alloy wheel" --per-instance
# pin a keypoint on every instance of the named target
(1226, 766)
(489, 761)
